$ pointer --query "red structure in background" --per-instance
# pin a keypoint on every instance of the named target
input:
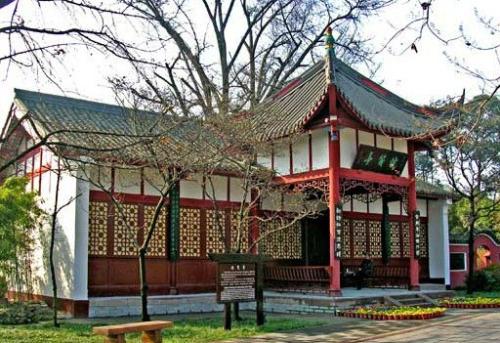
(487, 252)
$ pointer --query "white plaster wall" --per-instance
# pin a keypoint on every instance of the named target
(153, 182)
(395, 207)
(376, 206)
(422, 207)
(282, 158)
(237, 191)
(384, 142)
(358, 206)
(127, 181)
(217, 187)
(401, 145)
(348, 148)
(101, 178)
(319, 149)
(439, 264)
(70, 251)
(192, 187)
(366, 138)
(264, 160)
(300, 154)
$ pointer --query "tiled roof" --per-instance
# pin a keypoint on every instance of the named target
(426, 189)
(463, 238)
(288, 110)
(96, 128)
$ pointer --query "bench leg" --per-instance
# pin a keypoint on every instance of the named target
(115, 339)
(151, 336)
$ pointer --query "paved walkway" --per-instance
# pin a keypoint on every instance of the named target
(457, 326)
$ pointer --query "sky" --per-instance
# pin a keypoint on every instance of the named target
(420, 78)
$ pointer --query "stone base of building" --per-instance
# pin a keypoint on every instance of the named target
(75, 308)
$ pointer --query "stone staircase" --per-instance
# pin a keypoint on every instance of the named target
(412, 299)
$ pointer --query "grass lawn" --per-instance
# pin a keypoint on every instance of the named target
(185, 330)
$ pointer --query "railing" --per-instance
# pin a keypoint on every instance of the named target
(284, 274)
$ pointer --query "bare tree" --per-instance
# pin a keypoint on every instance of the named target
(471, 164)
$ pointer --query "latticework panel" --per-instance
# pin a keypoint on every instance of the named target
(346, 237)
(359, 237)
(375, 229)
(158, 242)
(405, 231)
(126, 226)
(283, 243)
(395, 239)
(216, 223)
(98, 228)
(190, 232)
(424, 250)
(243, 234)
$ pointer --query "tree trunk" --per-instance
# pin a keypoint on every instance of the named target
(470, 283)
(51, 252)
(144, 285)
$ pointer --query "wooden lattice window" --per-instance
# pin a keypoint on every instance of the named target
(359, 237)
(346, 237)
(395, 228)
(283, 243)
(375, 229)
(215, 231)
(234, 232)
(190, 232)
(98, 228)
(424, 249)
(158, 242)
(405, 232)
(126, 227)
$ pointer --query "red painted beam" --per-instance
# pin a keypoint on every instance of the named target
(301, 177)
(369, 176)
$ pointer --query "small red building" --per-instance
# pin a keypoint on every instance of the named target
(486, 252)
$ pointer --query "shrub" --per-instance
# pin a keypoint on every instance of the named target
(23, 313)
(486, 279)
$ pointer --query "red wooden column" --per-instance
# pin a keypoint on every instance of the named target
(412, 207)
(333, 189)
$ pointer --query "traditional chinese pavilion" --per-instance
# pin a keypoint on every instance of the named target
(332, 130)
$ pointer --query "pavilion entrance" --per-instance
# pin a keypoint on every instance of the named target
(315, 240)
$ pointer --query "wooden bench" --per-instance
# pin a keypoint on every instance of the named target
(151, 331)
(288, 274)
(389, 276)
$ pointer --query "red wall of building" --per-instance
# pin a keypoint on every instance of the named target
(458, 277)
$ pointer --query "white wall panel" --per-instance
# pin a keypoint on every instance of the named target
(366, 138)
(300, 151)
(237, 191)
(395, 207)
(384, 142)
(348, 147)
(219, 184)
(376, 206)
(422, 207)
(127, 181)
(320, 149)
(358, 206)
(282, 158)
(191, 187)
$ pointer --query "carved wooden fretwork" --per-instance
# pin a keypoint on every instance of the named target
(371, 191)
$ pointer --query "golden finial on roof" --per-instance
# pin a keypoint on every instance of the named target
(329, 41)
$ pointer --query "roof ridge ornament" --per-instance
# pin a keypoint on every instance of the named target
(330, 56)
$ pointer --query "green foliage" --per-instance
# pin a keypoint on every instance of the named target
(19, 213)
(459, 214)
(197, 330)
(23, 313)
(486, 279)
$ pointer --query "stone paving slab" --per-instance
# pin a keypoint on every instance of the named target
(456, 326)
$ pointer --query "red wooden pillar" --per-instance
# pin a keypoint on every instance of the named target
(412, 207)
(333, 189)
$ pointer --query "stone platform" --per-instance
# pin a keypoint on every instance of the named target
(276, 302)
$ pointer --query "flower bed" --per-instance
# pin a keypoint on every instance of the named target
(395, 313)
(470, 302)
